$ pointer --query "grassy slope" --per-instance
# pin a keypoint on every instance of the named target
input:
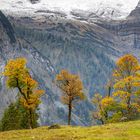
(118, 131)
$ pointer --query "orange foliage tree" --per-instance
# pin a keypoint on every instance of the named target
(72, 89)
(127, 84)
(18, 76)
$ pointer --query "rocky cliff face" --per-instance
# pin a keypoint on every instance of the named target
(51, 42)
(127, 31)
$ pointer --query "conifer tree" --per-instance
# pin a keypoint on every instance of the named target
(16, 117)
(10, 119)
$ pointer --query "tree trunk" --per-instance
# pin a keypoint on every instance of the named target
(109, 91)
(102, 122)
(30, 119)
(69, 115)
(129, 101)
(129, 106)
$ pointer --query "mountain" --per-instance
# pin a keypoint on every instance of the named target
(12, 46)
(85, 42)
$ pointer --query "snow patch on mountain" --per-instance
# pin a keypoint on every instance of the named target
(103, 8)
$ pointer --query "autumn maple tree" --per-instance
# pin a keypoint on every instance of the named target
(72, 89)
(18, 76)
(127, 84)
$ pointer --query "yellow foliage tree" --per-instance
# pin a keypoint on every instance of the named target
(127, 82)
(72, 89)
(102, 106)
(18, 76)
(98, 113)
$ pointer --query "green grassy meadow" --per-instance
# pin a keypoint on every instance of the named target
(117, 131)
